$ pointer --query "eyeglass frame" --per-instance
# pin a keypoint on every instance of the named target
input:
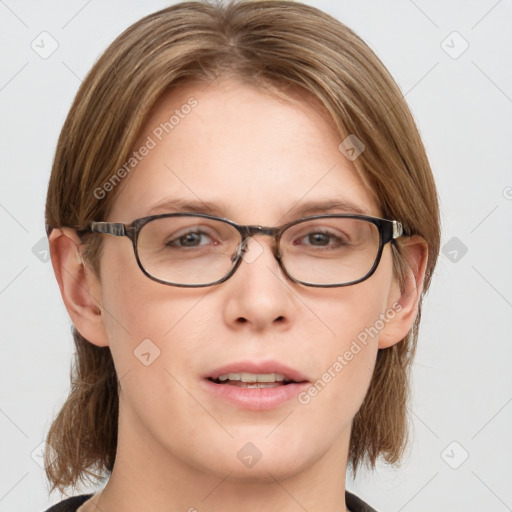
(389, 231)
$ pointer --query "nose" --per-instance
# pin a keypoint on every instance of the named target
(258, 296)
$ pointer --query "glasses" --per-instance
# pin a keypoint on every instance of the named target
(195, 250)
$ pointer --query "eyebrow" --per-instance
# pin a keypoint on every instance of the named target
(219, 209)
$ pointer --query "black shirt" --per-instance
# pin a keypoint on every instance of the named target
(354, 503)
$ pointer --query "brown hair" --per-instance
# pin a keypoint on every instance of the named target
(273, 45)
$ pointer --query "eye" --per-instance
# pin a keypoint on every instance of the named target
(320, 238)
(189, 239)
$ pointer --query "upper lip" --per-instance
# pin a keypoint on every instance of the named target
(257, 367)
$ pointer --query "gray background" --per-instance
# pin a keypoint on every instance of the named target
(462, 385)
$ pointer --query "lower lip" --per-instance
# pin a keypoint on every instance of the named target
(256, 399)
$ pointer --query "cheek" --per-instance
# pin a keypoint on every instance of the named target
(142, 315)
(349, 314)
(157, 334)
(347, 323)
(344, 355)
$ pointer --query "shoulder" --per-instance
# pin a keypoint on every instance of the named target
(69, 504)
(356, 504)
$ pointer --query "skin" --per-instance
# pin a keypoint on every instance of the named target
(178, 444)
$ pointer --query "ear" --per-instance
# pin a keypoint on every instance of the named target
(405, 302)
(79, 286)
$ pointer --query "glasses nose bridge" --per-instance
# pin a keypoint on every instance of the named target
(251, 231)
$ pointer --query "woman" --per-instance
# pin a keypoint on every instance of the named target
(242, 223)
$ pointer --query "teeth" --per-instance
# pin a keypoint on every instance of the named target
(257, 385)
(253, 377)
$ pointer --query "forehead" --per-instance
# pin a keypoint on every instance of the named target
(233, 144)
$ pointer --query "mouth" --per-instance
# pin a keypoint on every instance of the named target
(252, 380)
(256, 374)
(257, 386)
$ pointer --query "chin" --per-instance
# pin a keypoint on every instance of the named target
(245, 462)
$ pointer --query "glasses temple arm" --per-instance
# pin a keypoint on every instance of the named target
(109, 228)
(398, 229)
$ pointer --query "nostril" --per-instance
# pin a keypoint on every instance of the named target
(280, 318)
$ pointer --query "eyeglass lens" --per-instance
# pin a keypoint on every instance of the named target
(196, 251)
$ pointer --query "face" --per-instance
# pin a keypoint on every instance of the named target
(256, 157)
